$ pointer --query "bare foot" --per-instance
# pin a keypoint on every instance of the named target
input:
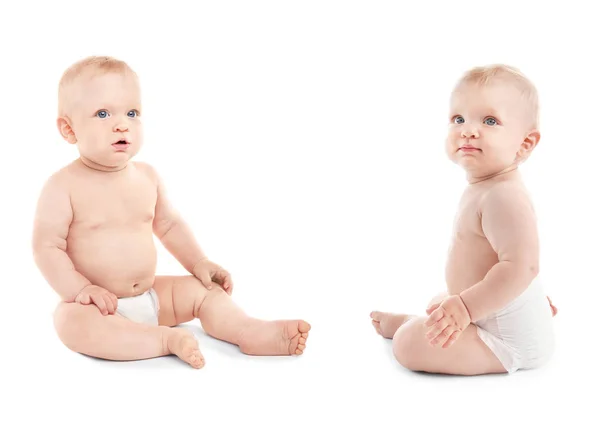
(280, 337)
(183, 344)
(386, 324)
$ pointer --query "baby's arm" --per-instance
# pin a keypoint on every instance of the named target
(509, 224)
(170, 228)
(51, 227)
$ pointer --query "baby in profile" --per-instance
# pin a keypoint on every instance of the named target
(93, 240)
(494, 317)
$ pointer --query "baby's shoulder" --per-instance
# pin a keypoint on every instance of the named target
(146, 169)
(505, 187)
(61, 178)
(506, 194)
(57, 186)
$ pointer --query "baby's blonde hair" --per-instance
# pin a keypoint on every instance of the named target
(88, 66)
(485, 75)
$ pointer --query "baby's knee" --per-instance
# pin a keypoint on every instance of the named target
(214, 300)
(69, 323)
(405, 346)
(191, 284)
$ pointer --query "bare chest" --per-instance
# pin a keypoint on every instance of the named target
(127, 200)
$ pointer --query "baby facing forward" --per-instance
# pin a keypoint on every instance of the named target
(494, 317)
(93, 240)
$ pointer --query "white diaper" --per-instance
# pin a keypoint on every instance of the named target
(142, 308)
(521, 334)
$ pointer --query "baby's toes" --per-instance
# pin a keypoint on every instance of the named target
(377, 326)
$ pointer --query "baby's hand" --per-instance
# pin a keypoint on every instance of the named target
(208, 272)
(435, 302)
(105, 301)
(446, 323)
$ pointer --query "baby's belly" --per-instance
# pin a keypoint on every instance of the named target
(123, 262)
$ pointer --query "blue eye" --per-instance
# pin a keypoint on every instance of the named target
(102, 114)
(490, 121)
(132, 113)
(458, 120)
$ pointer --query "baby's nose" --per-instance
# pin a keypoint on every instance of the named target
(470, 133)
(121, 128)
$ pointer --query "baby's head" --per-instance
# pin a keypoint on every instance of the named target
(494, 123)
(99, 106)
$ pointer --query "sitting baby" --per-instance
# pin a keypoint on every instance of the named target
(494, 317)
(93, 240)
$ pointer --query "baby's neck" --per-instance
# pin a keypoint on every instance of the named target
(510, 172)
(99, 167)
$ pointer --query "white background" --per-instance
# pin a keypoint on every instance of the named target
(304, 143)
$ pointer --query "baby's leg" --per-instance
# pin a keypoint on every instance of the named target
(386, 323)
(83, 329)
(183, 298)
(469, 355)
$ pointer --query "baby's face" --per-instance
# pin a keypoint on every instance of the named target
(488, 126)
(105, 118)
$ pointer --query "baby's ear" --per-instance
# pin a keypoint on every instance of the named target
(66, 131)
(529, 143)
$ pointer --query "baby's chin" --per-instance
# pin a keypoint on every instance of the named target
(471, 165)
(466, 161)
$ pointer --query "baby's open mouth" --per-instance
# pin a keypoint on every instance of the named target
(121, 144)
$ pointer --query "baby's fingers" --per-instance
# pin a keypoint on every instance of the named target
(115, 300)
(83, 299)
(437, 329)
(225, 280)
(451, 340)
(110, 305)
(434, 317)
(443, 337)
(432, 308)
(205, 279)
(100, 303)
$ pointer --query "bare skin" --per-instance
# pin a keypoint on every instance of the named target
(93, 242)
(494, 251)
(118, 254)
(471, 257)
(413, 351)
(387, 323)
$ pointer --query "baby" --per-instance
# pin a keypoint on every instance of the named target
(93, 240)
(494, 317)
